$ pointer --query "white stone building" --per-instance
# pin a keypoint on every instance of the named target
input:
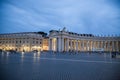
(69, 41)
(24, 41)
(58, 41)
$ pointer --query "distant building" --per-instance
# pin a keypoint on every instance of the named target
(24, 41)
(70, 41)
(58, 40)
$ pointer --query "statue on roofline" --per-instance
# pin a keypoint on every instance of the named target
(64, 29)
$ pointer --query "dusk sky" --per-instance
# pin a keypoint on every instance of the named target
(81, 16)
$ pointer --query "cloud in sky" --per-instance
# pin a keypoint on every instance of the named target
(81, 16)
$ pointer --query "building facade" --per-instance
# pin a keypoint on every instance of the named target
(26, 41)
(58, 40)
(69, 41)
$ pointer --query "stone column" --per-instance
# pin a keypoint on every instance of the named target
(102, 45)
(88, 46)
(30, 44)
(50, 44)
(73, 45)
(108, 45)
(70, 45)
(56, 45)
(67, 45)
(76, 45)
(83, 45)
(62, 44)
(117, 46)
(59, 44)
(93, 45)
(112, 45)
(98, 44)
(80, 45)
(105, 45)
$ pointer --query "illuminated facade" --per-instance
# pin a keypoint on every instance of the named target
(26, 41)
(58, 40)
(69, 41)
(45, 44)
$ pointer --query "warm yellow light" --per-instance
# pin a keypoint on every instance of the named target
(54, 44)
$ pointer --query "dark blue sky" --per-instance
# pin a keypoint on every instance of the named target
(81, 16)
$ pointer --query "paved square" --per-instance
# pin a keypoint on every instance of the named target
(50, 66)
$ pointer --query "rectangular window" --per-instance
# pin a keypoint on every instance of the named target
(36, 42)
(40, 42)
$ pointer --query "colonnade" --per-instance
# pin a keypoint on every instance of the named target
(68, 44)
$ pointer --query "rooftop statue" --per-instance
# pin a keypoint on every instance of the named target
(64, 29)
